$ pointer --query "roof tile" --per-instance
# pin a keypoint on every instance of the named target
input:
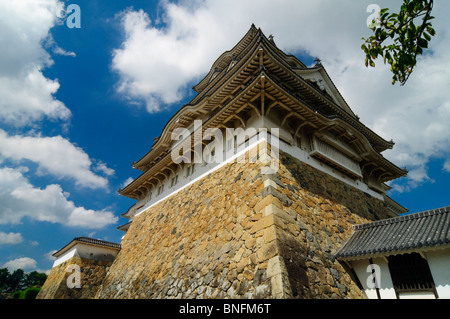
(425, 229)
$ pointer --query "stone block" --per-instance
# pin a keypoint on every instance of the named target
(267, 251)
(269, 234)
(263, 203)
(276, 266)
(280, 287)
(261, 224)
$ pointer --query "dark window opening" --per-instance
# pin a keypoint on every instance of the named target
(410, 273)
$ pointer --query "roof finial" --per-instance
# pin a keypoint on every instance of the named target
(318, 61)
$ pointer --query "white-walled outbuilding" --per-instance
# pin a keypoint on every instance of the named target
(406, 257)
(87, 248)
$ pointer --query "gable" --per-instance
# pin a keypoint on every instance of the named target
(319, 78)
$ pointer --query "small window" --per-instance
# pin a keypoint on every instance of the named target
(410, 273)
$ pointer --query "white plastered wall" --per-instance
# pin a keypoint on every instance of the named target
(89, 252)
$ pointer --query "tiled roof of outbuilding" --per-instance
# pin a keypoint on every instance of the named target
(411, 232)
(87, 240)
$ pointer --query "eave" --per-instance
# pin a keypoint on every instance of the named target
(87, 241)
(260, 54)
(419, 232)
(265, 94)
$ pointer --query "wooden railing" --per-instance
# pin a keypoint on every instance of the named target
(334, 157)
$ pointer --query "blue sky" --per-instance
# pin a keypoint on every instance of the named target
(79, 105)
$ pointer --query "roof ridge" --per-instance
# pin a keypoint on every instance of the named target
(96, 241)
(403, 218)
(88, 240)
(437, 210)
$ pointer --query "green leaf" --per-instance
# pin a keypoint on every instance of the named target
(410, 8)
(431, 30)
(388, 57)
(423, 43)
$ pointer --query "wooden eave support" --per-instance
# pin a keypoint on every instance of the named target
(299, 127)
(374, 170)
(381, 177)
(240, 119)
(326, 127)
(271, 106)
(286, 117)
(169, 169)
(251, 105)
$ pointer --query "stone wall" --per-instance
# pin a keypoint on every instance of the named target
(92, 273)
(195, 244)
(239, 234)
(313, 215)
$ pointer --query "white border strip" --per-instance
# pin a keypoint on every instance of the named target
(219, 165)
(294, 151)
(65, 257)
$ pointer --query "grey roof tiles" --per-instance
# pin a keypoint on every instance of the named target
(408, 232)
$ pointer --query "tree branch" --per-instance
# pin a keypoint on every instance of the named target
(419, 36)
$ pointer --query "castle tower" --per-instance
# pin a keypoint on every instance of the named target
(252, 187)
(261, 214)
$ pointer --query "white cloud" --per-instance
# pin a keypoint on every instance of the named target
(10, 238)
(25, 24)
(26, 96)
(24, 263)
(56, 156)
(156, 65)
(49, 255)
(157, 61)
(126, 182)
(56, 49)
(26, 99)
(447, 166)
(101, 167)
(22, 200)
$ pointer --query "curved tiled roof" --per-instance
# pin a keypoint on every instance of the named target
(97, 242)
(87, 240)
(262, 72)
(411, 232)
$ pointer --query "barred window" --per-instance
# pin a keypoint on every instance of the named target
(410, 273)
